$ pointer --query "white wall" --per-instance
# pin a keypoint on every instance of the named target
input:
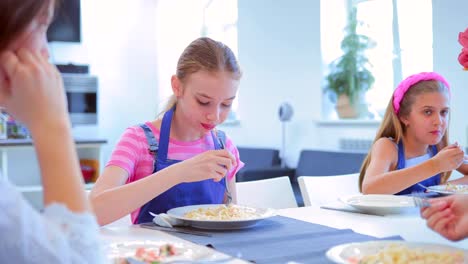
(118, 42)
(279, 51)
(450, 18)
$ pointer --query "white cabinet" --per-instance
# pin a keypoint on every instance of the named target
(20, 166)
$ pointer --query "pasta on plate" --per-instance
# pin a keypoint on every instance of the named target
(460, 189)
(400, 254)
(223, 213)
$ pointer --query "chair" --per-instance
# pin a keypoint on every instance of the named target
(319, 163)
(261, 163)
(273, 193)
(319, 190)
(326, 163)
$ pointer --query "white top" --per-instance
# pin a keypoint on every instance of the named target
(417, 160)
(56, 236)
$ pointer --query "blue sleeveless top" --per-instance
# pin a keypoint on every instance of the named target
(182, 194)
(434, 180)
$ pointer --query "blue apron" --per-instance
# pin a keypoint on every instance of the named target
(183, 194)
(434, 180)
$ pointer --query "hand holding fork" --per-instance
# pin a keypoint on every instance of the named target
(226, 185)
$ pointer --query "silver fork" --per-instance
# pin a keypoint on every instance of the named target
(228, 192)
(420, 200)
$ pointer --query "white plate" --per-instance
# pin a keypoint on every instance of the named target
(124, 249)
(379, 203)
(260, 213)
(351, 253)
(453, 189)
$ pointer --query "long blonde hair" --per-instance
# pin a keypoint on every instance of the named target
(392, 127)
(208, 55)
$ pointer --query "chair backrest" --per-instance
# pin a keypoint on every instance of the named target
(326, 163)
(321, 190)
(273, 193)
(258, 158)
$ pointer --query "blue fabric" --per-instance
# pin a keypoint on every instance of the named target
(434, 180)
(183, 194)
(280, 239)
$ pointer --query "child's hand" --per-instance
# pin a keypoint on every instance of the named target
(449, 158)
(32, 89)
(212, 164)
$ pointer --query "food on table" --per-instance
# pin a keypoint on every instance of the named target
(456, 188)
(150, 255)
(223, 212)
(396, 254)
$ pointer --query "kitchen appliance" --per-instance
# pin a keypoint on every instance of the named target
(82, 98)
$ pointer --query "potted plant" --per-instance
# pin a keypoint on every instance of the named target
(349, 77)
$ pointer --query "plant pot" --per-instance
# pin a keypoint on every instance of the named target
(346, 110)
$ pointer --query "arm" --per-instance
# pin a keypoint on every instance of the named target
(109, 189)
(381, 176)
(36, 97)
(31, 237)
(66, 232)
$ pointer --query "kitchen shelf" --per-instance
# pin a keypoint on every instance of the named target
(19, 164)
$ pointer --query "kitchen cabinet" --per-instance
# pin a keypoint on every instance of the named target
(19, 164)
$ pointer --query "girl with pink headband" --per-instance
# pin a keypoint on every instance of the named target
(411, 145)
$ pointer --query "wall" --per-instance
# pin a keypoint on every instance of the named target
(450, 18)
(118, 42)
(279, 51)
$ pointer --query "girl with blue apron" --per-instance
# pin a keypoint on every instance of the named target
(183, 194)
(434, 180)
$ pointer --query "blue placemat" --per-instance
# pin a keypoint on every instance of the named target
(280, 239)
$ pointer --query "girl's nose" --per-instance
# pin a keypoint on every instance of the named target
(213, 115)
(438, 119)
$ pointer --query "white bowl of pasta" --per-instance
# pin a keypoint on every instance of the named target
(220, 216)
(397, 251)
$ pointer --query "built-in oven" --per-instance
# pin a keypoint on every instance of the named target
(82, 97)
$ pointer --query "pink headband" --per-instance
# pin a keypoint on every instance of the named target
(412, 80)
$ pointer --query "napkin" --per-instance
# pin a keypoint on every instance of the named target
(165, 220)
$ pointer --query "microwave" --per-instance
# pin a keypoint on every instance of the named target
(82, 98)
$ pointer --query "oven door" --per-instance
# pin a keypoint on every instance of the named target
(82, 106)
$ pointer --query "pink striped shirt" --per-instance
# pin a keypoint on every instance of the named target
(131, 153)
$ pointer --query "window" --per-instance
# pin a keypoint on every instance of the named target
(403, 43)
(181, 21)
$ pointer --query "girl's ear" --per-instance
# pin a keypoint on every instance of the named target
(404, 120)
(176, 86)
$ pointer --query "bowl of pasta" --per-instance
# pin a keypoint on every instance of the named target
(393, 251)
(447, 189)
(220, 216)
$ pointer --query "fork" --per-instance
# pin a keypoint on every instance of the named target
(424, 186)
(228, 192)
(420, 200)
